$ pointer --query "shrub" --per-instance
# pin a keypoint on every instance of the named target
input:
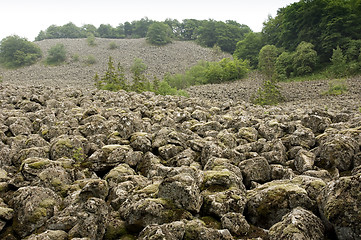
(56, 55)
(305, 59)
(113, 45)
(90, 60)
(283, 66)
(267, 59)
(336, 87)
(17, 52)
(268, 94)
(338, 67)
(91, 40)
(159, 34)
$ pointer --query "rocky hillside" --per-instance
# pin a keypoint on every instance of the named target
(173, 58)
(89, 164)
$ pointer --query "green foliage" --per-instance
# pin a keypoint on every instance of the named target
(113, 45)
(90, 60)
(223, 34)
(56, 55)
(267, 59)
(210, 72)
(249, 47)
(91, 40)
(114, 80)
(324, 23)
(159, 34)
(283, 66)
(304, 59)
(336, 87)
(268, 94)
(338, 67)
(18, 52)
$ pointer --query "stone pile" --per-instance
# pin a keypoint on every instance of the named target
(88, 164)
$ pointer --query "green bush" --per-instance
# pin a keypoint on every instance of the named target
(56, 55)
(18, 52)
(159, 34)
(90, 60)
(305, 59)
(283, 66)
(113, 45)
(114, 80)
(336, 87)
(267, 59)
(338, 66)
(210, 72)
(268, 94)
(91, 40)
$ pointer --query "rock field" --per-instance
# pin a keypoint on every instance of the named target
(83, 164)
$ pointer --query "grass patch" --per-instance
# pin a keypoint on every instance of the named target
(336, 87)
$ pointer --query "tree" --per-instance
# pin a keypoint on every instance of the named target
(159, 34)
(338, 67)
(283, 66)
(56, 54)
(305, 59)
(17, 52)
(249, 47)
(267, 60)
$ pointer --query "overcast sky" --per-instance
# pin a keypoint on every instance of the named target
(27, 17)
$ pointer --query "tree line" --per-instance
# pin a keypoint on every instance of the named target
(206, 32)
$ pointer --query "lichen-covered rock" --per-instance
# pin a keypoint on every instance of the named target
(68, 146)
(171, 231)
(196, 229)
(33, 206)
(268, 203)
(299, 224)
(221, 179)
(338, 152)
(317, 123)
(255, 169)
(49, 235)
(339, 205)
(302, 136)
(236, 223)
(304, 160)
(182, 190)
(220, 203)
(141, 212)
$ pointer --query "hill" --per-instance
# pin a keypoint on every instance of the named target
(173, 58)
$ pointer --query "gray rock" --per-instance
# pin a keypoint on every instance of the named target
(299, 224)
(317, 123)
(182, 190)
(255, 169)
(196, 229)
(49, 235)
(304, 160)
(171, 231)
(268, 203)
(235, 223)
(33, 206)
(220, 203)
(339, 205)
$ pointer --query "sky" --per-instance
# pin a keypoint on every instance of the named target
(27, 18)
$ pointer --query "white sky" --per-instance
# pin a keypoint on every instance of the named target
(27, 17)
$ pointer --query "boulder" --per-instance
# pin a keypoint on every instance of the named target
(171, 231)
(339, 204)
(268, 203)
(299, 224)
(255, 169)
(304, 160)
(236, 223)
(33, 206)
(182, 190)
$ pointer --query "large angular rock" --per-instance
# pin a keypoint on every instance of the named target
(33, 206)
(304, 160)
(183, 190)
(255, 169)
(171, 231)
(339, 205)
(235, 223)
(268, 203)
(299, 224)
(196, 230)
